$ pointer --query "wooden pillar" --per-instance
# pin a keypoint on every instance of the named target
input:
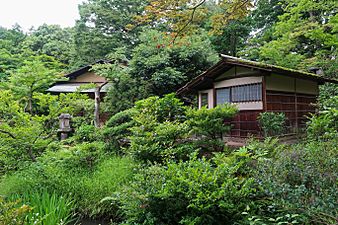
(296, 105)
(97, 107)
(214, 95)
(264, 94)
(97, 100)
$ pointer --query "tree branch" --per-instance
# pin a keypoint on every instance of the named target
(179, 9)
(240, 5)
(101, 86)
(190, 20)
(8, 133)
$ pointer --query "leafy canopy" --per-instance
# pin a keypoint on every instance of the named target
(184, 15)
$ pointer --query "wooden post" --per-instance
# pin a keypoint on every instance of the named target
(214, 95)
(97, 107)
(97, 100)
(296, 105)
(265, 108)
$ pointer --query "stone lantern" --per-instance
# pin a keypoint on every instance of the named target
(65, 128)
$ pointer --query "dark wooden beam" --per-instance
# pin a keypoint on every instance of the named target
(264, 94)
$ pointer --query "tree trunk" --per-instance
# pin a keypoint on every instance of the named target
(97, 107)
(30, 103)
(31, 155)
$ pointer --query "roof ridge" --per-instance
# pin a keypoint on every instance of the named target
(267, 65)
(232, 60)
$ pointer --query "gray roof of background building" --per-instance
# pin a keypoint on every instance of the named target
(74, 87)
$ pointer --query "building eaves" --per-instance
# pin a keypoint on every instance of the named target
(227, 61)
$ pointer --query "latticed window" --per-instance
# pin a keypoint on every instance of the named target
(246, 93)
(242, 93)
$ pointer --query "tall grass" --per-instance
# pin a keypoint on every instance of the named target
(86, 187)
(89, 188)
(47, 209)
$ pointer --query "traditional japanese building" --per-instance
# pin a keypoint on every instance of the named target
(76, 83)
(254, 88)
(79, 78)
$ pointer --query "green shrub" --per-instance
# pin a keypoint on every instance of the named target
(159, 132)
(208, 125)
(197, 191)
(86, 133)
(163, 141)
(86, 154)
(167, 108)
(116, 130)
(13, 212)
(165, 129)
(272, 123)
(302, 180)
(325, 125)
(266, 148)
(47, 208)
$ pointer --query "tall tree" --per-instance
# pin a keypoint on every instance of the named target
(260, 22)
(305, 35)
(51, 40)
(33, 77)
(164, 66)
(10, 49)
(186, 15)
(265, 15)
(233, 37)
(103, 26)
(124, 90)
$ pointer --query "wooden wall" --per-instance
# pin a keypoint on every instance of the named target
(279, 97)
(295, 106)
(245, 124)
(88, 77)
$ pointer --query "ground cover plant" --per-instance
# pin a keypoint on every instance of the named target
(325, 126)
(36, 208)
(13, 212)
(70, 174)
(302, 180)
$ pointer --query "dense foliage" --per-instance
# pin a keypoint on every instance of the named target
(72, 174)
(163, 129)
(325, 126)
(302, 180)
(198, 191)
(156, 160)
(272, 123)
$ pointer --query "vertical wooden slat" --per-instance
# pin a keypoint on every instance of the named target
(264, 94)
(288, 103)
(296, 106)
(214, 94)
